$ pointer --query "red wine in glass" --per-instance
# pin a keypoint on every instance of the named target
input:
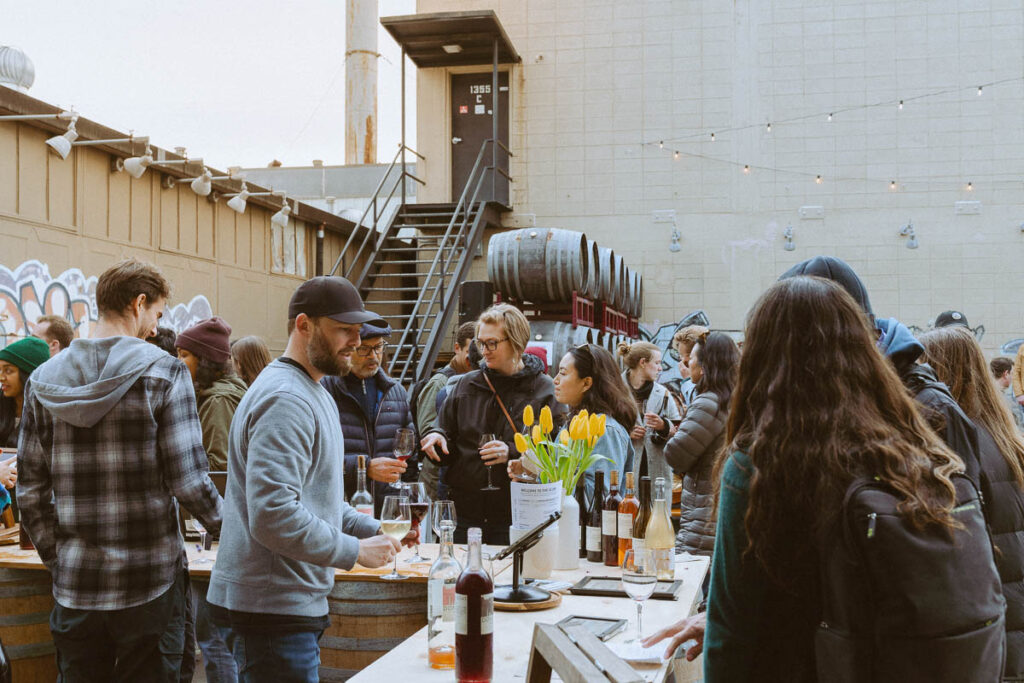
(405, 444)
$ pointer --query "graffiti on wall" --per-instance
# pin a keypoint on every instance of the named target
(29, 292)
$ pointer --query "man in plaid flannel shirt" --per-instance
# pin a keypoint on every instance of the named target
(110, 443)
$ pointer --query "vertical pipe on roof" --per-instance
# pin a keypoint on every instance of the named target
(361, 82)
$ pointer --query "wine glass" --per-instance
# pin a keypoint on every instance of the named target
(403, 448)
(443, 516)
(484, 440)
(202, 542)
(639, 579)
(395, 521)
(419, 506)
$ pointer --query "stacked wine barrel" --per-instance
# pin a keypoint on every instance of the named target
(545, 266)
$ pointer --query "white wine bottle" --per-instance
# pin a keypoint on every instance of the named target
(659, 538)
(362, 501)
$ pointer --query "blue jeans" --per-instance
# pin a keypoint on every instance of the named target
(278, 657)
(216, 642)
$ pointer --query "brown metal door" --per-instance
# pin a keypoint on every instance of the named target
(471, 125)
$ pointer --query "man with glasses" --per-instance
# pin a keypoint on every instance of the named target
(372, 407)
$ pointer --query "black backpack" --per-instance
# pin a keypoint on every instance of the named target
(908, 605)
(414, 395)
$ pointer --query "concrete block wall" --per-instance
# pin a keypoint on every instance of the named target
(599, 79)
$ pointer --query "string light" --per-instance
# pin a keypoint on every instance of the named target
(970, 187)
(769, 127)
(979, 91)
(746, 168)
(712, 137)
(676, 155)
(892, 184)
(661, 144)
(830, 117)
(900, 106)
(817, 179)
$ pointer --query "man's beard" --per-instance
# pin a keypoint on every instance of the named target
(321, 357)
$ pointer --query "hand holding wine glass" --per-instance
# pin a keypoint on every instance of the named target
(639, 579)
(405, 444)
(395, 521)
(486, 444)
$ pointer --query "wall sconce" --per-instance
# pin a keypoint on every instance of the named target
(62, 144)
(281, 217)
(237, 200)
(787, 234)
(908, 232)
(136, 166)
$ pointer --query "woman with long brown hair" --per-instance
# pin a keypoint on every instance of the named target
(249, 355)
(957, 359)
(816, 406)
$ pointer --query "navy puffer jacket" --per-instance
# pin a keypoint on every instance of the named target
(372, 437)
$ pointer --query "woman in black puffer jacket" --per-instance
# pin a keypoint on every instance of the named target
(958, 361)
(693, 449)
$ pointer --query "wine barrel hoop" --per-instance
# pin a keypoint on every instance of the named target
(376, 607)
(384, 644)
(593, 288)
(539, 264)
(618, 296)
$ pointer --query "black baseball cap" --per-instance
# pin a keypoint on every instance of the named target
(951, 319)
(331, 297)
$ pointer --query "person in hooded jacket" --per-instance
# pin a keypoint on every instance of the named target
(959, 362)
(205, 349)
(372, 407)
(489, 401)
(938, 407)
(657, 409)
(110, 440)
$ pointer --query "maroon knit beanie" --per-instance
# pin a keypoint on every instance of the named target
(209, 339)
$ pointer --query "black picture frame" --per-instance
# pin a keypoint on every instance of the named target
(611, 587)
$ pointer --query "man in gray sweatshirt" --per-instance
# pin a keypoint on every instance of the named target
(110, 439)
(286, 524)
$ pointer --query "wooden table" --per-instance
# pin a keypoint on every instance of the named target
(378, 628)
(513, 631)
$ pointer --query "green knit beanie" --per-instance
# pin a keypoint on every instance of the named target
(28, 354)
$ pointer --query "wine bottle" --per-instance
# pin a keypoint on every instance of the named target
(581, 500)
(610, 522)
(626, 514)
(444, 574)
(362, 501)
(643, 515)
(659, 538)
(595, 552)
(474, 618)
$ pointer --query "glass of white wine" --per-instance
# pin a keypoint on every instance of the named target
(639, 579)
(396, 521)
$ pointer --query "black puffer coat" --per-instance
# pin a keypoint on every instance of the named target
(471, 409)
(691, 453)
(373, 437)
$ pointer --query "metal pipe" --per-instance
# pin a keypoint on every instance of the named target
(404, 194)
(494, 121)
(361, 82)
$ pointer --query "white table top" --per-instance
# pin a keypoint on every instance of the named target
(513, 631)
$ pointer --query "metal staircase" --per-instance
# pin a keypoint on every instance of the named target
(409, 268)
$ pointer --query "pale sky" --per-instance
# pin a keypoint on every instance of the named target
(237, 83)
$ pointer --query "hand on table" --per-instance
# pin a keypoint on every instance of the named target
(494, 453)
(377, 551)
(387, 470)
(682, 631)
(431, 442)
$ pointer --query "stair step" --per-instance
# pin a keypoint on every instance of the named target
(402, 302)
(401, 289)
(403, 263)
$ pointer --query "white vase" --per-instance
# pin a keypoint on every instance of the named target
(568, 554)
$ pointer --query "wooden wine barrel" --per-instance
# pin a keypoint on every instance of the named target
(606, 272)
(593, 289)
(539, 264)
(26, 600)
(369, 618)
(561, 336)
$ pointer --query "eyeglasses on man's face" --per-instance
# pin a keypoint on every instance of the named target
(490, 345)
(367, 351)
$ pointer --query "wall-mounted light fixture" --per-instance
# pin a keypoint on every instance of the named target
(281, 217)
(136, 166)
(908, 232)
(237, 200)
(787, 234)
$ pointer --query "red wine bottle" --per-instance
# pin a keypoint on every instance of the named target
(474, 619)
(610, 522)
(595, 553)
(581, 500)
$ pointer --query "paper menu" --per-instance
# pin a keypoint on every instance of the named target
(534, 503)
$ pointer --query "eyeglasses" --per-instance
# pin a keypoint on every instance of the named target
(490, 344)
(366, 351)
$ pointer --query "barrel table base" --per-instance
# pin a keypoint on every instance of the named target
(26, 600)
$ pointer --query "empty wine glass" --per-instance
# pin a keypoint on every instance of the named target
(202, 542)
(639, 579)
(395, 521)
(419, 506)
(484, 440)
(443, 516)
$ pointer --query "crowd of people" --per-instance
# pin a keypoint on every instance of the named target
(772, 444)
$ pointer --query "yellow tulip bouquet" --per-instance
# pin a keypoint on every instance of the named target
(563, 458)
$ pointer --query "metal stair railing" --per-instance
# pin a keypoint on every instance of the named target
(372, 231)
(467, 236)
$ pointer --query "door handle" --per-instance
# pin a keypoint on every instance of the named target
(456, 141)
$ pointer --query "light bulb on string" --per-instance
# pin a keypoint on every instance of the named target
(830, 117)
(676, 155)
(979, 90)
(746, 168)
(712, 137)
(818, 180)
(900, 107)
(892, 184)
(661, 144)
(768, 128)
(970, 186)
